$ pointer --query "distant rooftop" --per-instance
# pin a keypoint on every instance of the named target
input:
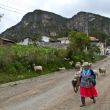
(7, 40)
(63, 38)
(94, 39)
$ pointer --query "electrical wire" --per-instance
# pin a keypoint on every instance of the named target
(12, 7)
(8, 8)
(11, 10)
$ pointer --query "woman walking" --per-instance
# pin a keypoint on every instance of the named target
(87, 84)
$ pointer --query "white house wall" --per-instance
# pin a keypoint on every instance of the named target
(45, 39)
(26, 41)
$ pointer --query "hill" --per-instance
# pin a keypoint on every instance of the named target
(42, 23)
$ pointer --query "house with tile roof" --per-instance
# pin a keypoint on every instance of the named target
(95, 41)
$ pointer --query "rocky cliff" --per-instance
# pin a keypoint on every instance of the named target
(46, 23)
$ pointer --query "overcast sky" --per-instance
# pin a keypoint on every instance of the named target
(14, 10)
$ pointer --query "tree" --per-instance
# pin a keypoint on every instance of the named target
(78, 41)
(93, 50)
(36, 38)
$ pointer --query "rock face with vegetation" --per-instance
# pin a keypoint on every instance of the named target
(49, 24)
(92, 24)
(37, 23)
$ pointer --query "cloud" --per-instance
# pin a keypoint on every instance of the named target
(65, 8)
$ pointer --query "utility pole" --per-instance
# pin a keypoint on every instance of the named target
(86, 26)
(105, 45)
(88, 20)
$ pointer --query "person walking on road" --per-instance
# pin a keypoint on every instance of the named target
(87, 84)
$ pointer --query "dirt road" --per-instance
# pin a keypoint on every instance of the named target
(54, 92)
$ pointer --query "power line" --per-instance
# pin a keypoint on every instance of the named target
(11, 10)
(12, 7)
